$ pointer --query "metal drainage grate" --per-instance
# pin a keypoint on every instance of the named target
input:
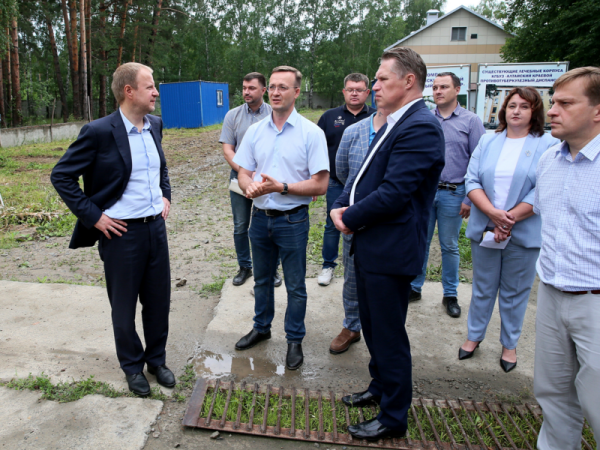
(314, 416)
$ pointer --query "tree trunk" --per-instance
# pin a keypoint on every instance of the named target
(77, 98)
(73, 58)
(7, 79)
(88, 14)
(16, 81)
(2, 110)
(122, 35)
(67, 28)
(135, 34)
(102, 93)
(152, 40)
(57, 74)
(86, 115)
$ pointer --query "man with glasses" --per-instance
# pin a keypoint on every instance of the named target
(235, 125)
(333, 123)
(283, 163)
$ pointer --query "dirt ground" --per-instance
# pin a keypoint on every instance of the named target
(202, 251)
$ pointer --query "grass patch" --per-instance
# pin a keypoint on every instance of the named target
(178, 133)
(64, 392)
(214, 288)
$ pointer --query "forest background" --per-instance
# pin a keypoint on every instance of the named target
(64, 51)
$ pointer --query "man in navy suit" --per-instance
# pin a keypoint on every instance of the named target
(124, 203)
(387, 208)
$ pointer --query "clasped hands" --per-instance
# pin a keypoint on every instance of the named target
(268, 185)
(336, 217)
(504, 222)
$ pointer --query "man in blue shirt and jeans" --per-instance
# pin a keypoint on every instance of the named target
(333, 123)
(235, 125)
(283, 163)
(462, 131)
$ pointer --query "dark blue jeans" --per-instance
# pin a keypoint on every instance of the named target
(241, 207)
(331, 237)
(286, 237)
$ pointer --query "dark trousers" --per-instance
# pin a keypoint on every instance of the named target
(137, 264)
(383, 303)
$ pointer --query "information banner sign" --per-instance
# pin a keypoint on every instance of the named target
(497, 80)
(463, 72)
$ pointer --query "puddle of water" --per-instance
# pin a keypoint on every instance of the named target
(215, 365)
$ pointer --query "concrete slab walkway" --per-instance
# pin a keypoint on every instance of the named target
(94, 422)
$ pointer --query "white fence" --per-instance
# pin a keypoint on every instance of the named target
(12, 137)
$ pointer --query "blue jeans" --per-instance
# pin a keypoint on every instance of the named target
(286, 237)
(241, 208)
(446, 211)
(331, 237)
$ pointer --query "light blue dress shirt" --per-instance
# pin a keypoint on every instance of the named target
(372, 132)
(142, 196)
(568, 201)
(291, 155)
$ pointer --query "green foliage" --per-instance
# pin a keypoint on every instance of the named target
(62, 226)
(214, 288)
(554, 30)
(496, 10)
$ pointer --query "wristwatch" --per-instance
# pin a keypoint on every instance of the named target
(285, 189)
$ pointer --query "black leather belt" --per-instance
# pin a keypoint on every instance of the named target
(142, 219)
(449, 186)
(277, 213)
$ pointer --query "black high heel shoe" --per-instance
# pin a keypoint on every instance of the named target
(463, 354)
(507, 366)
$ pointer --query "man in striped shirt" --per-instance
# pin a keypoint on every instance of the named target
(567, 351)
(462, 131)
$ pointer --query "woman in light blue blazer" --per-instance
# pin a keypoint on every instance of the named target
(500, 182)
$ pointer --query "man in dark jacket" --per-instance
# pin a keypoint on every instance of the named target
(387, 208)
(124, 203)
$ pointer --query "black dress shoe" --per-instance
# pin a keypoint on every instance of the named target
(242, 276)
(294, 357)
(507, 366)
(164, 376)
(251, 339)
(138, 384)
(414, 296)
(373, 430)
(277, 279)
(452, 307)
(363, 398)
(463, 354)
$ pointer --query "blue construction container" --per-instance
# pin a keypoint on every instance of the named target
(193, 104)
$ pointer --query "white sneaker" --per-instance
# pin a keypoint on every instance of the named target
(326, 276)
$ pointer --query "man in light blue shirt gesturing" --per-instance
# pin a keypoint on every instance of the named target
(288, 154)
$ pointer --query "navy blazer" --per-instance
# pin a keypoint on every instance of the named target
(101, 154)
(393, 198)
(481, 174)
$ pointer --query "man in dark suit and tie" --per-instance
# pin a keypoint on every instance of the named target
(124, 203)
(387, 208)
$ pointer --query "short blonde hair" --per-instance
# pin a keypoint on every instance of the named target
(295, 71)
(126, 74)
(590, 74)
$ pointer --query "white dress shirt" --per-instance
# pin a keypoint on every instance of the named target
(392, 119)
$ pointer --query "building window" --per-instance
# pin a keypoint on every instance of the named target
(474, 36)
(219, 97)
(459, 33)
(494, 109)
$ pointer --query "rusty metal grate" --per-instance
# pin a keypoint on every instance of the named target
(316, 416)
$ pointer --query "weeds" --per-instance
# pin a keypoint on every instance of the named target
(469, 424)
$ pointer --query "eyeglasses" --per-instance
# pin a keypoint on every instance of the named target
(355, 91)
(280, 88)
